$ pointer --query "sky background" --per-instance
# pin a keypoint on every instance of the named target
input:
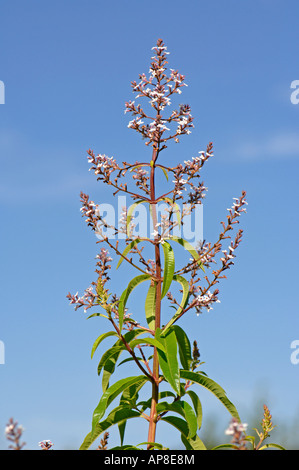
(67, 67)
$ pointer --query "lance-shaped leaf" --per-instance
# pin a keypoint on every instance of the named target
(226, 446)
(150, 306)
(178, 423)
(97, 315)
(125, 447)
(168, 359)
(154, 445)
(129, 359)
(213, 387)
(111, 393)
(100, 339)
(128, 398)
(274, 446)
(110, 357)
(189, 247)
(109, 368)
(137, 166)
(169, 263)
(149, 341)
(114, 351)
(185, 351)
(185, 286)
(127, 250)
(125, 295)
(193, 443)
(197, 407)
(116, 416)
(184, 409)
(147, 404)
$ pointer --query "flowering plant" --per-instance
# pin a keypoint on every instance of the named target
(158, 346)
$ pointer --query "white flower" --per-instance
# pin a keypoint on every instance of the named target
(46, 444)
(236, 427)
(9, 429)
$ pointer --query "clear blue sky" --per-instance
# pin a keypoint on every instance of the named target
(67, 67)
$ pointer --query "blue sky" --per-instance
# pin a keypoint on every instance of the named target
(67, 68)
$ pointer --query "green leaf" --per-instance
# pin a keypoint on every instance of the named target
(251, 439)
(154, 445)
(165, 172)
(149, 341)
(100, 339)
(178, 423)
(276, 446)
(130, 335)
(147, 404)
(114, 350)
(194, 443)
(122, 429)
(197, 407)
(185, 285)
(129, 359)
(96, 315)
(189, 248)
(128, 398)
(150, 306)
(226, 446)
(169, 263)
(168, 360)
(117, 415)
(111, 393)
(109, 368)
(127, 250)
(110, 357)
(213, 387)
(165, 394)
(125, 295)
(126, 447)
(184, 409)
(185, 351)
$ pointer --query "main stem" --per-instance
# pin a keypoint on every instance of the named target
(155, 383)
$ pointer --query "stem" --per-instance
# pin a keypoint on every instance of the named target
(155, 383)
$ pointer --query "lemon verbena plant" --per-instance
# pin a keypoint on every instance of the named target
(153, 338)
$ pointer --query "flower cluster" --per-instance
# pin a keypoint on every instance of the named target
(13, 433)
(184, 174)
(141, 178)
(206, 300)
(91, 212)
(46, 444)
(87, 300)
(203, 295)
(102, 165)
(104, 442)
(237, 431)
(157, 128)
(103, 266)
(88, 210)
(158, 89)
(266, 424)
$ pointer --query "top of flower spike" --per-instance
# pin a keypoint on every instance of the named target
(158, 88)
